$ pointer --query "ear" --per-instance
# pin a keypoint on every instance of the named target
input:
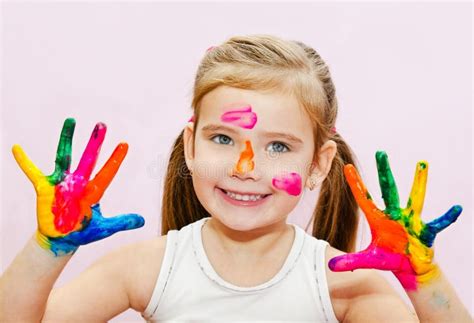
(320, 171)
(188, 138)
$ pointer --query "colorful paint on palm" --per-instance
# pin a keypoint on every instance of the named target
(68, 212)
(401, 241)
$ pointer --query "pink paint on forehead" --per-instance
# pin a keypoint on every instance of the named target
(243, 117)
(289, 182)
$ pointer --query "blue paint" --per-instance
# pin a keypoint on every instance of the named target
(96, 228)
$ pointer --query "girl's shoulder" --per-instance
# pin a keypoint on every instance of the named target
(360, 289)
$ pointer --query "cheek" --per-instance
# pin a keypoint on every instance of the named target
(210, 167)
(288, 182)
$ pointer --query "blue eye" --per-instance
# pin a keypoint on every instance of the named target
(279, 147)
(222, 139)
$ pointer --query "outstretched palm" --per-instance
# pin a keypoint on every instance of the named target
(68, 212)
(401, 241)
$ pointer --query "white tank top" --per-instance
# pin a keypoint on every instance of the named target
(188, 289)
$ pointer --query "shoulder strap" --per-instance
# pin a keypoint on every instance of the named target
(165, 270)
(321, 280)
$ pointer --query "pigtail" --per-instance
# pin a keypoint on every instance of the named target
(335, 218)
(180, 205)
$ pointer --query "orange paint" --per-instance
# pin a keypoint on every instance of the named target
(385, 232)
(245, 163)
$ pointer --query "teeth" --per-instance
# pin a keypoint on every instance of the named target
(240, 197)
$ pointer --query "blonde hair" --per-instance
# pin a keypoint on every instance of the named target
(267, 63)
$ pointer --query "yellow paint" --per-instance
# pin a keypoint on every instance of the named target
(45, 194)
(417, 196)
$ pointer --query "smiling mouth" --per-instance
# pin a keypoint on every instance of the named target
(244, 197)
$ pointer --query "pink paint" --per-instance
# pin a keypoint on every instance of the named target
(90, 155)
(244, 117)
(66, 204)
(290, 182)
(378, 258)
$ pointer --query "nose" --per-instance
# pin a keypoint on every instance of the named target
(245, 167)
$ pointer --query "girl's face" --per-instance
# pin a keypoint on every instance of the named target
(252, 158)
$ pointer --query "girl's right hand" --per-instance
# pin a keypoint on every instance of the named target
(68, 210)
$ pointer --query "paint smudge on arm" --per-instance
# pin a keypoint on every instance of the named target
(438, 300)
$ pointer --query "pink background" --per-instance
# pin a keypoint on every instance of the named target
(403, 74)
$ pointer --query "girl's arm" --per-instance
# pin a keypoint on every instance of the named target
(437, 301)
(120, 280)
(26, 283)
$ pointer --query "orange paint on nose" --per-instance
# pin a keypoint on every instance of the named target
(245, 163)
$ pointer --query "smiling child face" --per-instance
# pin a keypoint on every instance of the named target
(253, 152)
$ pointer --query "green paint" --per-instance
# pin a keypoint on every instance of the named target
(387, 183)
(439, 300)
(369, 197)
(409, 203)
(63, 154)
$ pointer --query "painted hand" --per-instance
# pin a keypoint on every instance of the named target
(401, 241)
(68, 212)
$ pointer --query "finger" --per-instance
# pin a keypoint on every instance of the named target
(370, 258)
(95, 188)
(417, 196)
(387, 184)
(91, 153)
(31, 171)
(431, 229)
(362, 196)
(100, 227)
(63, 153)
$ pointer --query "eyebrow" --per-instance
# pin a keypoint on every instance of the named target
(269, 134)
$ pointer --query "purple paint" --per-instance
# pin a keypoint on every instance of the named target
(244, 117)
(289, 182)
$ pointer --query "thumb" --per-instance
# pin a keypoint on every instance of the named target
(373, 257)
(27, 166)
(99, 227)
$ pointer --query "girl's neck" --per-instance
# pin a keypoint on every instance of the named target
(253, 244)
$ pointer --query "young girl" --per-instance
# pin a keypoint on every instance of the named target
(263, 130)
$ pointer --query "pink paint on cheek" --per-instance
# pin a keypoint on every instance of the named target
(244, 117)
(291, 183)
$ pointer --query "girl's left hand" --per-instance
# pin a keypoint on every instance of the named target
(401, 241)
